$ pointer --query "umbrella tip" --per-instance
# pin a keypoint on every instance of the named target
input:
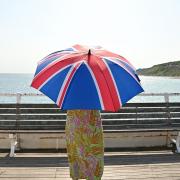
(89, 52)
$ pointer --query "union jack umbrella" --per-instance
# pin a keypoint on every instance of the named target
(84, 77)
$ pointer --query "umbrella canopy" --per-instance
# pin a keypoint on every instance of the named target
(84, 77)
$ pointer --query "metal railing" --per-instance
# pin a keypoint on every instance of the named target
(19, 96)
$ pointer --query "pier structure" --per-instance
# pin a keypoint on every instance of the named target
(136, 125)
(140, 141)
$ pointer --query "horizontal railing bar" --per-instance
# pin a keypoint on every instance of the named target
(21, 94)
(38, 94)
(159, 94)
(126, 106)
(111, 119)
(118, 116)
(159, 129)
(58, 111)
(133, 115)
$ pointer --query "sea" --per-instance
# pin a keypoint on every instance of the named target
(20, 83)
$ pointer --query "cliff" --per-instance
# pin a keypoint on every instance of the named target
(165, 69)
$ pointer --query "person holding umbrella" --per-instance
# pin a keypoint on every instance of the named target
(84, 80)
(85, 146)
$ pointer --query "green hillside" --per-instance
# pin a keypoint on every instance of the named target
(166, 69)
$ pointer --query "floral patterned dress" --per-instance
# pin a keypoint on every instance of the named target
(85, 144)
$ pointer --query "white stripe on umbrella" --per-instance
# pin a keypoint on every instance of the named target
(121, 65)
(114, 82)
(66, 83)
(53, 76)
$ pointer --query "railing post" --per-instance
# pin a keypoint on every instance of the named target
(18, 102)
(166, 98)
(13, 139)
(18, 98)
(136, 114)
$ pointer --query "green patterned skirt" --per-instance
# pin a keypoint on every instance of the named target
(85, 144)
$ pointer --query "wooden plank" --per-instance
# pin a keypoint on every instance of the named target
(10, 127)
(141, 109)
(174, 104)
(135, 126)
(174, 109)
(8, 105)
(151, 115)
(63, 116)
(115, 122)
(56, 110)
(7, 111)
(31, 131)
(146, 105)
(31, 116)
(14, 105)
(55, 106)
(133, 115)
(8, 117)
(175, 124)
(52, 131)
(175, 120)
(152, 109)
(33, 127)
(105, 127)
(8, 123)
(41, 111)
(177, 114)
(33, 123)
(43, 116)
(39, 106)
(44, 127)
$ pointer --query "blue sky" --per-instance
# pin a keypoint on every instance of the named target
(146, 32)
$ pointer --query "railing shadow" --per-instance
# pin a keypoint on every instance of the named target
(108, 159)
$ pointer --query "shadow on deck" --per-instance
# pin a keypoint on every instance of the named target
(60, 160)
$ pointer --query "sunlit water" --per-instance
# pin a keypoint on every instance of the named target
(20, 83)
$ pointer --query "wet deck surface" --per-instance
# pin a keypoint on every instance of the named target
(118, 165)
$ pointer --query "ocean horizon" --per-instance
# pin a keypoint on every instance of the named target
(20, 83)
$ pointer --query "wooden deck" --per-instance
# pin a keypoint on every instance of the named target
(118, 165)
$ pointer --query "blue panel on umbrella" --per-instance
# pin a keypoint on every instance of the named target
(82, 93)
(52, 87)
(126, 84)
